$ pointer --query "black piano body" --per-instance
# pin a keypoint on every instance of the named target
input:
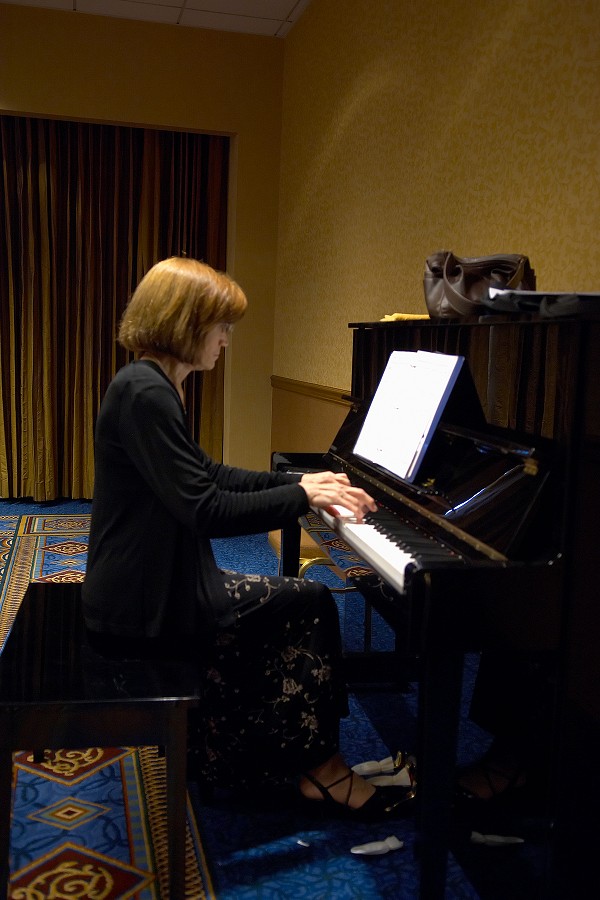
(504, 498)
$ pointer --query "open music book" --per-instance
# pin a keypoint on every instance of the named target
(405, 410)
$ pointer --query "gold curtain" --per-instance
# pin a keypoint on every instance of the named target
(85, 211)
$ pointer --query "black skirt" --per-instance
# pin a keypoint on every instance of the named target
(272, 689)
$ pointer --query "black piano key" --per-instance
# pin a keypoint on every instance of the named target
(407, 537)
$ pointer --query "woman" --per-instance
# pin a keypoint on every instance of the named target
(268, 648)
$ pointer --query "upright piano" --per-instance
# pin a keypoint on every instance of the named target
(490, 546)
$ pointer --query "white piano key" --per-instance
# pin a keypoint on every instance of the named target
(378, 551)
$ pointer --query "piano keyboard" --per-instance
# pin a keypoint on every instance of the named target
(386, 544)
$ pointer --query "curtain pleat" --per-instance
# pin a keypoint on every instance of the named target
(85, 211)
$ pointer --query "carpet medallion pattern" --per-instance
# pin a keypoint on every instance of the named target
(85, 823)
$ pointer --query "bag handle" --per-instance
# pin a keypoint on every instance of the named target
(463, 304)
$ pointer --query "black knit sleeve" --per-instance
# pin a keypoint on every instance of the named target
(215, 500)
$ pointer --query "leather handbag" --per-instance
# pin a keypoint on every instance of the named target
(458, 286)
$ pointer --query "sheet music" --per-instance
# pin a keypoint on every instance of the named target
(406, 409)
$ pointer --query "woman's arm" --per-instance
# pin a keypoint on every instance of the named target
(209, 497)
(154, 434)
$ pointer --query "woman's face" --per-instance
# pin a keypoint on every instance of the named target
(210, 349)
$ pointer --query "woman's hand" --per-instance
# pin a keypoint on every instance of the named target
(325, 489)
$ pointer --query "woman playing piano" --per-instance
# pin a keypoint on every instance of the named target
(268, 648)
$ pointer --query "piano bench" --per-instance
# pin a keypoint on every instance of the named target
(56, 692)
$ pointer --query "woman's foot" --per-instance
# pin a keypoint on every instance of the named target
(342, 791)
(338, 781)
(489, 778)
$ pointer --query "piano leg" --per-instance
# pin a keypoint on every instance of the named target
(438, 718)
(290, 549)
(440, 688)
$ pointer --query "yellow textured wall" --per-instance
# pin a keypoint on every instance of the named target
(411, 127)
(407, 127)
(77, 66)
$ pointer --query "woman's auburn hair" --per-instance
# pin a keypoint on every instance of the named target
(175, 304)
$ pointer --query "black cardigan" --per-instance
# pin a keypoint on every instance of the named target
(158, 499)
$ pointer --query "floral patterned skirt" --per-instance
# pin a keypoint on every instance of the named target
(272, 691)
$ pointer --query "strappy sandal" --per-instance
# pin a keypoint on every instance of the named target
(385, 802)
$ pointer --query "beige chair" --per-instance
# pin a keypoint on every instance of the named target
(310, 555)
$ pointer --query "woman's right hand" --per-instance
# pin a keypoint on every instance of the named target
(325, 489)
